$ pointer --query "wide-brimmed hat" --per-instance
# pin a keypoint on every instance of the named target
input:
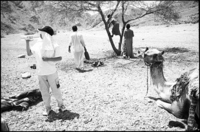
(47, 29)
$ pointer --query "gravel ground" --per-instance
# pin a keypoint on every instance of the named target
(110, 97)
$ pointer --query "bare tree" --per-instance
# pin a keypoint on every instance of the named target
(163, 9)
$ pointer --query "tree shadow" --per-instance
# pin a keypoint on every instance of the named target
(83, 70)
(176, 50)
(64, 115)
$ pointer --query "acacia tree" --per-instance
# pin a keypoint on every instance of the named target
(163, 9)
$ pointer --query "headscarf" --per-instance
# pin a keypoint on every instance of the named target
(48, 45)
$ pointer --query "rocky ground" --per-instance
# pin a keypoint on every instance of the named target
(110, 97)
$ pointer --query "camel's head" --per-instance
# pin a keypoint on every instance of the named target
(153, 56)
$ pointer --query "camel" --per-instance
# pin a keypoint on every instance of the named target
(4, 126)
(180, 98)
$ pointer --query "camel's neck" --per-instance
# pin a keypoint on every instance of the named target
(157, 76)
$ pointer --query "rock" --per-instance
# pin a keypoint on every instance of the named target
(26, 75)
(33, 66)
(88, 120)
(21, 56)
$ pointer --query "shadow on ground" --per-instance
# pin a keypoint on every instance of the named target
(176, 50)
(64, 115)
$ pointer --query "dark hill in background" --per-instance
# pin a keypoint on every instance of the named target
(188, 12)
(26, 16)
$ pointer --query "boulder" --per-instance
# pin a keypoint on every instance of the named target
(21, 56)
(26, 75)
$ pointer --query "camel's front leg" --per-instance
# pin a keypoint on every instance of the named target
(191, 118)
(164, 105)
(163, 95)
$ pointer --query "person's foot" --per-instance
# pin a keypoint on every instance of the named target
(81, 68)
(44, 113)
(52, 114)
(124, 57)
(62, 108)
(112, 35)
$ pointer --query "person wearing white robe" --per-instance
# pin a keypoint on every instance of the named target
(78, 44)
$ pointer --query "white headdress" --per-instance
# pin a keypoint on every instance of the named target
(48, 45)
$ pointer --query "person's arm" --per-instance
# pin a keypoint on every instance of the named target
(69, 49)
(125, 34)
(28, 50)
(70, 44)
(57, 57)
(82, 41)
(111, 23)
(133, 33)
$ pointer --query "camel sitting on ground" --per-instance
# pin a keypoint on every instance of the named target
(180, 98)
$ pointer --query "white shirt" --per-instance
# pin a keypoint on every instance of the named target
(77, 42)
(44, 67)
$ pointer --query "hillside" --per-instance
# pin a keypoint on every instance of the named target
(18, 16)
(187, 10)
(26, 16)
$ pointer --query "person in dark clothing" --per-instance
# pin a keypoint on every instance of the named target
(128, 42)
(115, 29)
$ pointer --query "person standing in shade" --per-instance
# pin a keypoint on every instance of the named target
(78, 44)
(46, 52)
(128, 43)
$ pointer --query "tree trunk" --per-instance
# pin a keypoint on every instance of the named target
(120, 43)
(118, 52)
(121, 37)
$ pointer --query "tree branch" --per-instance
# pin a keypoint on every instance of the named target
(118, 2)
(151, 12)
(147, 13)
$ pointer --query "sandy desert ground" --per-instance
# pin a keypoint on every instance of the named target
(109, 97)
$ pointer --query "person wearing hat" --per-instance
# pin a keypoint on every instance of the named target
(46, 52)
(78, 44)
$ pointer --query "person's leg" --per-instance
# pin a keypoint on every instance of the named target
(55, 91)
(113, 32)
(44, 88)
(131, 45)
(124, 50)
(81, 59)
(76, 59)
(128, 48)
(164, 105)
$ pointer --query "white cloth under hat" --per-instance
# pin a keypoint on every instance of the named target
(48, 45)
